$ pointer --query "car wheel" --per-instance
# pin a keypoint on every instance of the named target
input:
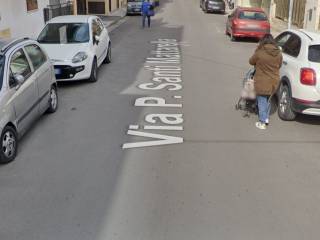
(232, 37)
(285, 111)
(9, 145)
(94, 71)
(108, 58)
(226, 31)
(53, 101)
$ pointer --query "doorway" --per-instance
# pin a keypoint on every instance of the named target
(110, 8)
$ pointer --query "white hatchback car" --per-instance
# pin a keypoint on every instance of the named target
(77, 46)
(299, 91)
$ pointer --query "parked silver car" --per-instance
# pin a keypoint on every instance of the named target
(27, 89)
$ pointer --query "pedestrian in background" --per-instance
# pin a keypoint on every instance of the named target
(147, 10)
(267, 60)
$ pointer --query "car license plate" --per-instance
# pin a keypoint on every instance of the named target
(57, 71)
(215, 7)
(252, 26)
(137, 10)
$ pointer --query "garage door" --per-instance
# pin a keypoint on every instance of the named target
(96, 7)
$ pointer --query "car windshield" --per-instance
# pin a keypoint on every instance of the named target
(55, 33)
(314, 53)
(134, 0)
(218, 1)
(1, 70)
(250, 15)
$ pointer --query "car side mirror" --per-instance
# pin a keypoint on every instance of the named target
(16, 80)
(96, 39)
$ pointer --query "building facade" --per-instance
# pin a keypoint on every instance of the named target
(26, 18)
(305, 13)
(103, 7)
(312, 15)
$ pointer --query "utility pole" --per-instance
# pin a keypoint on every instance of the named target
(290, 13)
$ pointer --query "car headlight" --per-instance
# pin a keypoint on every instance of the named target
(79, 57)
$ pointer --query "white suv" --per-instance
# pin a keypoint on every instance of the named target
(77, 46)
(299, 91)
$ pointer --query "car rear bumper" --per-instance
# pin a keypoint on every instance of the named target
(306, 107)
(256, 33)
(216, 8)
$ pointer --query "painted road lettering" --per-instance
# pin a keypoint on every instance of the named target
(165, 64)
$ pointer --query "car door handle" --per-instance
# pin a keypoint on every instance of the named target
(285, 62)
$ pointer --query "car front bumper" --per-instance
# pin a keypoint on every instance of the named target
(68, 71)
(134, 10)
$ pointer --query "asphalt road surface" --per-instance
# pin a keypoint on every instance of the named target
(227, 180)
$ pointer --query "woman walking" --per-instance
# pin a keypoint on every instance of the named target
(267, 60)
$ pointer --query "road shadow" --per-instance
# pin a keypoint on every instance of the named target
(308, 119)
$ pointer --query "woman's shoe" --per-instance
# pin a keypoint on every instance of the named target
(261, 125)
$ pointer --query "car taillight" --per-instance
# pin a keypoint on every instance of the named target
(308, 76)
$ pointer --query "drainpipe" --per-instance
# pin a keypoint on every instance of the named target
(290, 13)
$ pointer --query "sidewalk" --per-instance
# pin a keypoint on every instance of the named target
(114, 17)
(278, 25)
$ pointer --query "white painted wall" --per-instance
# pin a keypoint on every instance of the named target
(312, 14)
(14, 15)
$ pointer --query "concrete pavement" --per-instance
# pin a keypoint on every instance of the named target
(228, 180)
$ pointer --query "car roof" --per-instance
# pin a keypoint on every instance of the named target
(252, 9)
(72, 19)
(312, 36)
(7, 44)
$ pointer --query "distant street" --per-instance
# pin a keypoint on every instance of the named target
(72, 179)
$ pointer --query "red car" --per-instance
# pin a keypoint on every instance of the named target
(247, 22)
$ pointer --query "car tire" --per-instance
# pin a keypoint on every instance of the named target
(53, 100)
(94, 71)
(108, 58)
(9, 145)
(226, 31)
(232, 37)
(285, 111)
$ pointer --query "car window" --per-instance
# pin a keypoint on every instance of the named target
(251, 15)
(314, 53)
(292, 46)
(19, 64)
(56, 33)
(2, 61)
(282, 39)
(36, 55)
(96, 29)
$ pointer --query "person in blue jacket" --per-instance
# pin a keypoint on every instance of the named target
(147, 11)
